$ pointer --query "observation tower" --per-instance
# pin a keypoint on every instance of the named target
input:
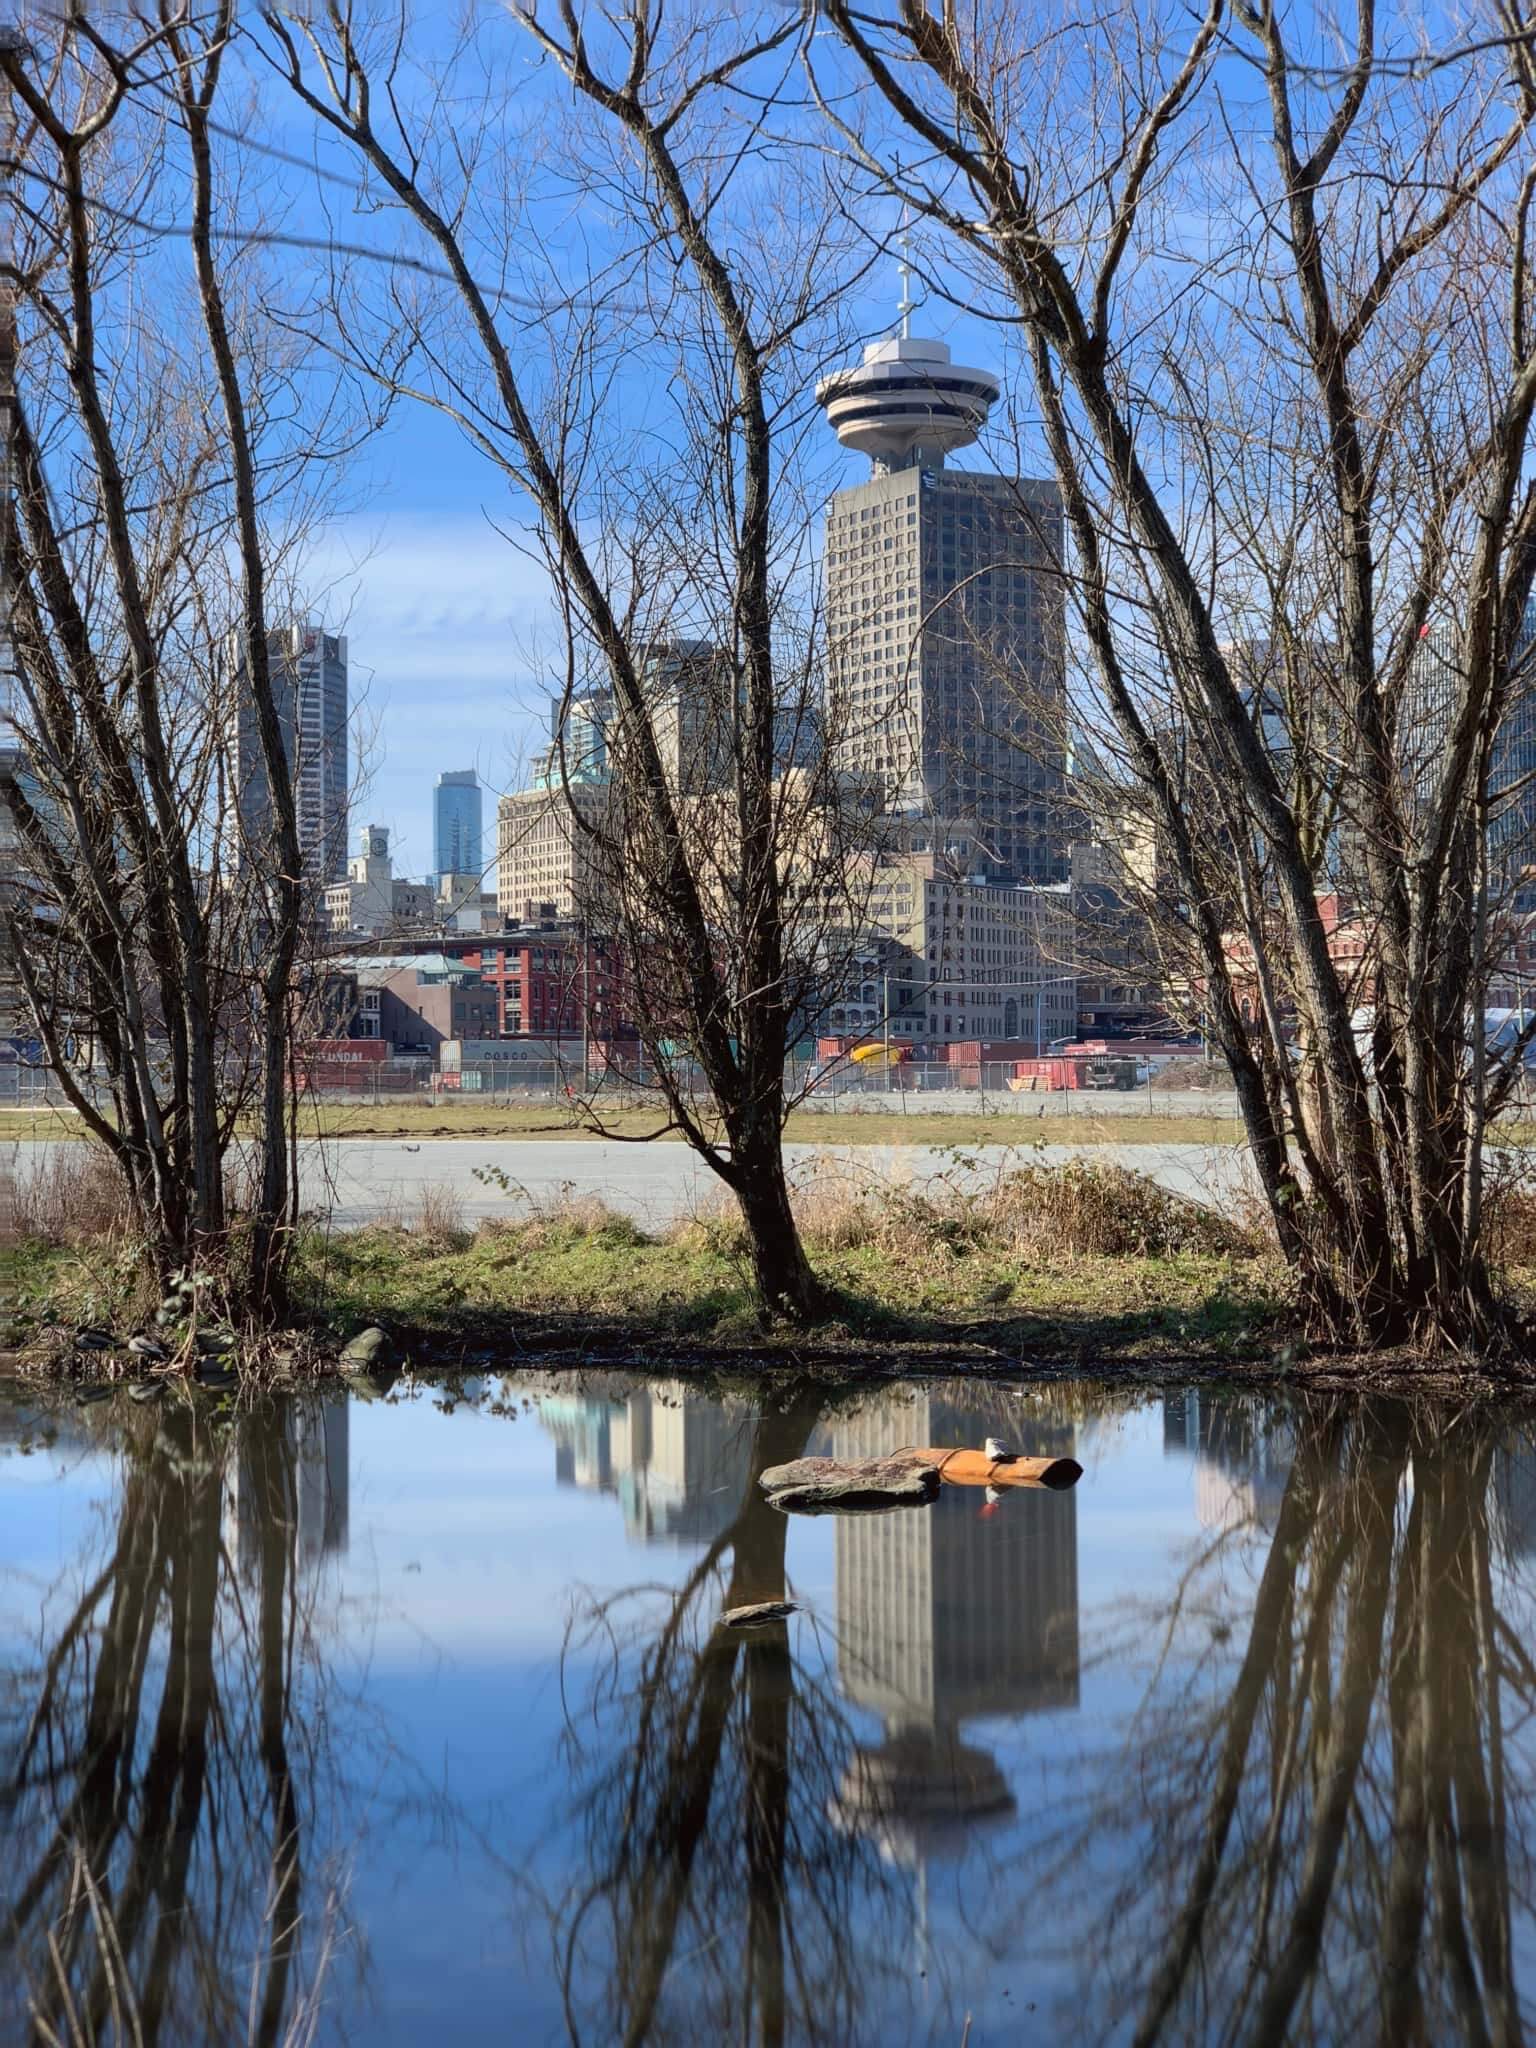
(907, 405)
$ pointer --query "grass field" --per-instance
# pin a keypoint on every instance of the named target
(417, 1120)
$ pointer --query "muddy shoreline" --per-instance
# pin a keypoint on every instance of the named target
(298, 1359)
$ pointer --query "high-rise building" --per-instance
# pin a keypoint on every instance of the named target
(945, 615)
(457, 824)
(1435, 689)
(982, 961)
(689, 693)
(309, 684)
(546, 866)
(679, 1461)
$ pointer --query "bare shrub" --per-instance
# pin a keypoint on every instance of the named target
(1510, 1201)
(567, 1217)
(1090, 1206)
(1082, 1209)
(70, 1195)
(441, 1215)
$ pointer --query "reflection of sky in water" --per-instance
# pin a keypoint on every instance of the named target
(445, 1577)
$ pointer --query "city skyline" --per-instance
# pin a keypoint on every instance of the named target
(430, 574)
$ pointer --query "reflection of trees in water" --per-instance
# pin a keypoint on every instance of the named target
(155, 1882)
(1324, 1828)
(722, 1899)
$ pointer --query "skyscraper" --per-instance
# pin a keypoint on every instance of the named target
(945, 619)
(309, 684)
(457, 845)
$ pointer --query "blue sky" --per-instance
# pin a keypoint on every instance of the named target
(450, 629)
(451, 636)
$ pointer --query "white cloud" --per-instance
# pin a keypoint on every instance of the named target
(449, 632)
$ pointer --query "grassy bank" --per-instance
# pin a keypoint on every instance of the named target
(1084, 1262)
(1082, 1267)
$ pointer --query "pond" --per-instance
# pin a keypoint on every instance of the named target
(409, 1718)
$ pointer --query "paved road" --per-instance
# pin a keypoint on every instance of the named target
(366, 1180)
(363, 1180)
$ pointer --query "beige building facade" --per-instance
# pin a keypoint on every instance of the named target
(965, 959)
(544, 864)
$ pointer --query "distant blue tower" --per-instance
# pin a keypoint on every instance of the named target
(456, 824)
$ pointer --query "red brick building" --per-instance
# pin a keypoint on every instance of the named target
(549, 979)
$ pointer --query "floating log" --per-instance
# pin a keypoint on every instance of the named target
(849, 1486)
(979, 1468)
(758, 1614)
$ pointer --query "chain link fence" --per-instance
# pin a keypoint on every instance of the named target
(1102, 1088)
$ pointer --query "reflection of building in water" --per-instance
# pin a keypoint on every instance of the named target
(1242, 1452)
(949, 1613)
(677, 1460)
(316, 1433)
(1514, 1495)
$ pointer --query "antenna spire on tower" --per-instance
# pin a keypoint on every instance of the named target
(906, 302)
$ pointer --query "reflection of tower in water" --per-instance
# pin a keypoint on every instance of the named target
(1242, 1450)
(677, 1459)
(947, 1614)
(312, 1442)
(1514, 1495)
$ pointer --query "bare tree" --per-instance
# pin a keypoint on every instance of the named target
(155, 426)
(1281, 349)
(1331, 1755)
(158, 1770)
(647, 396)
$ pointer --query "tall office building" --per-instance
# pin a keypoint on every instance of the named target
(457, 843)
(689, 689)
(945, 615)
(290, 1485)
(309, 683)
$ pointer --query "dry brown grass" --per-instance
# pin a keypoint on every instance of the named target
(440, 1216)
(70, 1196)
(565, 1217)
(1510, 1210)
(1083, 1208)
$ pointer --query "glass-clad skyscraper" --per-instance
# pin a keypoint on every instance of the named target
(456, 824)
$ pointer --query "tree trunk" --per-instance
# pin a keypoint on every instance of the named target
(786, 1284)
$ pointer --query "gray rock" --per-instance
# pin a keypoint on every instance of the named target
(215, 1343)
(370, 1347)
(758, 1614)
(849, 1486)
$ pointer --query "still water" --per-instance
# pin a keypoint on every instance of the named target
(408, 1720)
